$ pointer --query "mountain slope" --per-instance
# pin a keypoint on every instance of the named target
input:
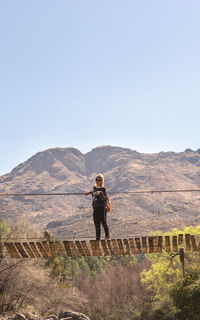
(68, 170)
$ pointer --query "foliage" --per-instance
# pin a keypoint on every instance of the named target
(137, 287)
(186, 296)
(4, 230)
(166, 270)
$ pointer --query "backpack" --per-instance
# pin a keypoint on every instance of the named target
(99, 201)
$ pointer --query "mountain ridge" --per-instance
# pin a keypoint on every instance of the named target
(124, 169)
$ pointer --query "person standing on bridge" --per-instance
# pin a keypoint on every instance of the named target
(99, 204)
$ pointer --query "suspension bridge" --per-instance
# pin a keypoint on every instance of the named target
(79, 248)
(44, 248)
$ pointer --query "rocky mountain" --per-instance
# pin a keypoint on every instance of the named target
(69, 170)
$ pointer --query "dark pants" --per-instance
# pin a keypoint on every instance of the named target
(99, 216)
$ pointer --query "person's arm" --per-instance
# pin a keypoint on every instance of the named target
(87, 193)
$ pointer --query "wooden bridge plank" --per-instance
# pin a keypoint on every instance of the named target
(187, 240)
(1, 250)
(20, 249)
(121, 248)
(198, 243)
(160, 245)
(104, 246)
(132, 245)
(11, 250)
(150, 240)
(94, 253)
(109, 243)
(85, 248)
(97, 247)
(167, 243)
(115, 247)
(180, 239)
(41, 249)
(73, 249)
(155, 244)
(60, 249)
(67, 248)
(138, 245)
(53, 249)
(93, 247)
(127, 246)
(34, 249)
(79, 247)
(175, 244)
(144, 244)
(28, 250)
(47, 249)
(194, 244)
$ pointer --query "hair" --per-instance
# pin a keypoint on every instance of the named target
(99, 175)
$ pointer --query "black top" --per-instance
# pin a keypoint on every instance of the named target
(99, 200)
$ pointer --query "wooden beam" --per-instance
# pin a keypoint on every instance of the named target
(85, 247)
(138, 245)
(1, 250)
(127, 246)
(180, 239)
(53, 249)
(11, 250)
(115, 247)
(104, 246)
(47, 249)
(160, 245)
(34, 249)
(150, 240)
(175, 244)
(67, 248)
(43, 252)
(79, 247)
(28, 250)
(155, 244)
(187, 240)
(73, 249)
(97, 247)
(121, 249)
(60, 249)
(167, 244)
(21, 250)
(109, 243)
(94, 252)
(144, 244)
(194, 245)
(132, 245)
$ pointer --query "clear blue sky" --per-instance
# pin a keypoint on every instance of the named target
(82, 74)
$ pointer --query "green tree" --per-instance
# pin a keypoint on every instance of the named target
(166, 269)
(186, 296)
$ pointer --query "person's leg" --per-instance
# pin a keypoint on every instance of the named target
(96, 219)
(103, 220)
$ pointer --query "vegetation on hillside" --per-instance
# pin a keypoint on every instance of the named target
(139, 287)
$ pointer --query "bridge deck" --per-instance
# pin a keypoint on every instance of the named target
(77, 248)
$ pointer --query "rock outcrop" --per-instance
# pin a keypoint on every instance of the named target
(63, 315)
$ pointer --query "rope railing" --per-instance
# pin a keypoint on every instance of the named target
(82, 193)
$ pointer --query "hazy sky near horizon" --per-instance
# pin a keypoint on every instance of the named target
(89, 73)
